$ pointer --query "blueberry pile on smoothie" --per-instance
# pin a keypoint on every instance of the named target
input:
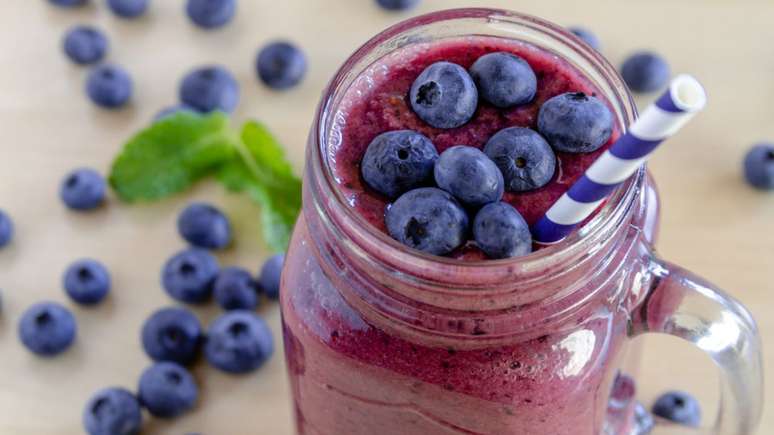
(456, 148)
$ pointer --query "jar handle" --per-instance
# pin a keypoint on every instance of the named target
(681, 304)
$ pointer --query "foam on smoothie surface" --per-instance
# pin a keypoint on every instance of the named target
(378, 102)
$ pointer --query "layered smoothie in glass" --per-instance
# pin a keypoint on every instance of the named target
(381, 339)
(384, 384)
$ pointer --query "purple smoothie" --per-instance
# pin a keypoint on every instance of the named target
(352, 375)
(379, 103)
(356, 372)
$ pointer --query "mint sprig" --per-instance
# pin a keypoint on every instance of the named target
(263, 173)
(171, 155)
(175, 152)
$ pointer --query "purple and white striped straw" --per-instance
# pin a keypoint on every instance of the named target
(684, 98)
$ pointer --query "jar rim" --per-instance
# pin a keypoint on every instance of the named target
(598, 229)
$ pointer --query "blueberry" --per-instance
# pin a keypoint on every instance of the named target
(398, 161)
(167, 390)
(575, 122)
(47, 328)
(210, 88)
(238, 342)
(645, 72)
(428, 219)
(504, 80)
(281, 65)
(469, 175)
(169, 111)
(678, 407)
(109, 86)
(397, 5)
(587, 36)
(501, 232)
(128, 8)
(172, 334)
(85, 45)
(112, 411)
(269, 278)
(204, 226)
(210, 14)
(87, 282)
(758, 168)
(83, 189)
(523, 156)
(444, 95)
(189, 275)
(6, 229)
(68, 3)
(235, 289)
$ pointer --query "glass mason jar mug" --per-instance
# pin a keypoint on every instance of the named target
(382, 340)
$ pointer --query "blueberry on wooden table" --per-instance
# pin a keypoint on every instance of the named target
(128, 8)
(47, 329)
(6, 229)
(112, 411)
(759, 167)
(210, 88)
(397, 5)
(68, 3)
(281, 65)
(645, 72)
(83, 189)
(238, 342)
(86, 281)
(204, 226)
(167, 390)
(109, 86)
(236, 289)
(172, 334)
(270, 276)
(586, 36)
(189, 275)
(211, 14)
(678, 407)
(85, 44)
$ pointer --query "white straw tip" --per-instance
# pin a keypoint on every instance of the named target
(687, 93)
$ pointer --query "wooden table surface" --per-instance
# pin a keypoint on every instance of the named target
(712, 222)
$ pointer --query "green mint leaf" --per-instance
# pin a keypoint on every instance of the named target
(266, 176)
(170, 155)
(278, 216)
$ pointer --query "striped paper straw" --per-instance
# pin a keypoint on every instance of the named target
(660, 121)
